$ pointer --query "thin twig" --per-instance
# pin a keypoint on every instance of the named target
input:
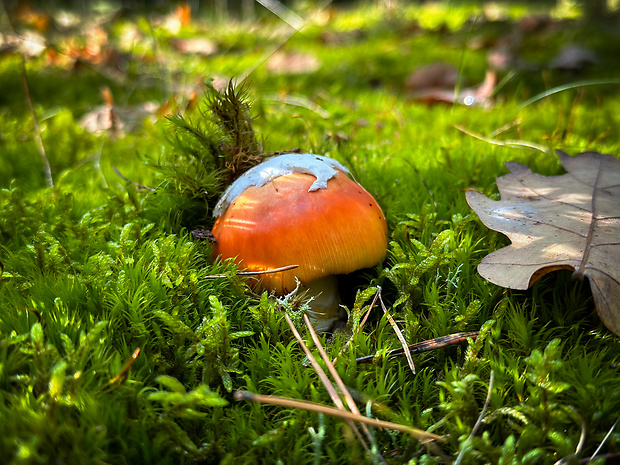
(584, 431)
(359, 328)
(120, 175)
(416, 433)
(343, 389)
(426, 346)
(46, 164)
(37, 130)
(422, 436)
(324, 379)
(32, 310)
(504, 143)
(505, 127)
(274, 49)
(255, 273)
(366, 315)
(298, 101)
(122, 375)
(398, 332)
(611, 430)
(562, 88)
(478, 422)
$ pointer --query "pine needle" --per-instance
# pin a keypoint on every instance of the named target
(418, 434)
(124, 372)
(255, 273)
(343, 389)
(505, 143)
(572, 85)
(37, 130)
(324, 379)
(600, 446)
(398, 332)
(359, 328)
(474, 430)
(425, 346)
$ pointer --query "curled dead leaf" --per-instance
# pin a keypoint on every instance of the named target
(570, 221)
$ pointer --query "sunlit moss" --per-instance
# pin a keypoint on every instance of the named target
(104, 265)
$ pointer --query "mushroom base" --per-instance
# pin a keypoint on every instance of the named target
(325, 312)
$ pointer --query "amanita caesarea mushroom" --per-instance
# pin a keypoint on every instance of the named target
(300, 209)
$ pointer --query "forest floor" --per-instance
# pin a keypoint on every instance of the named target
(117, 345)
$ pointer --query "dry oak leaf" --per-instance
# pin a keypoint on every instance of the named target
(570, 221)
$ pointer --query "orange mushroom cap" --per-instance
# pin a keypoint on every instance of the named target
(330, 230)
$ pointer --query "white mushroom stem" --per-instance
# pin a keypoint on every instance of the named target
(325, 312)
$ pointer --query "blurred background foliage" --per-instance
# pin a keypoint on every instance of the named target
(116, 346)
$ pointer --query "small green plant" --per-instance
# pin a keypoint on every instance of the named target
(210, 345)
(208, 149)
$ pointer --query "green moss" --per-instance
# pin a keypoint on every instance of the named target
(101, 265)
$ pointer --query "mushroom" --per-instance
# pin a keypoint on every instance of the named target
(301, 209)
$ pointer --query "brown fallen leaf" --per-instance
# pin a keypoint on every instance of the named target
(115, 120)
(293, 63)
(570, 221)
(195, 46)
(436, 83)
(438, 75)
